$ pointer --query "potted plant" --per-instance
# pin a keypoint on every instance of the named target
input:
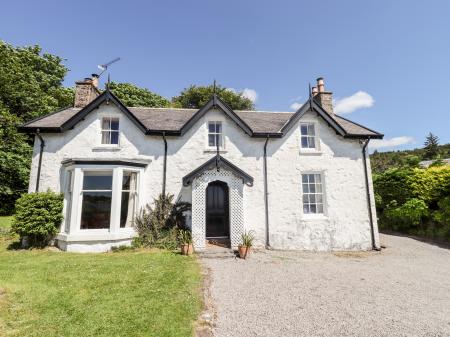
(246, 245)
(185, 238)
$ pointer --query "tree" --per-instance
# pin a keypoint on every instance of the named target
(131, 95)
(30, 85)
(31, 82)
(431, 146)
(196, 97)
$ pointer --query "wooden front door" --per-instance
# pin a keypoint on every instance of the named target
(217, 210)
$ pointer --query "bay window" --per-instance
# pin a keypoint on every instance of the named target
(101, 198)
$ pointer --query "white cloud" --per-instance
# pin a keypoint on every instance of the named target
(251, 94)
(390, 142)
(295, 106)
(358, 100)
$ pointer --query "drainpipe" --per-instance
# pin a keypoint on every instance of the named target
(164, 165)
(369, 202)
(40, 159)
(266, 193)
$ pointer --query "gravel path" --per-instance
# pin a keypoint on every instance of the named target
(403, 291)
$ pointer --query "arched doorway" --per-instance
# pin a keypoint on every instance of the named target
(217, 211)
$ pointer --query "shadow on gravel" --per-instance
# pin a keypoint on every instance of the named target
(440, 244)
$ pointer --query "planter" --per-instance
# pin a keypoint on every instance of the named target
(244, 251)
(187, 249)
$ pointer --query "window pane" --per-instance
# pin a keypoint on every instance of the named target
(211, 140)
(127, 209)
(218, 140)
(317, 178)
(114, 124)
(114, 137)
(311, 142)
(311, 130)
(305, 188)
(306, 209)
(304, 129)
(219, 127)
(96, 210)
(106, 137)
(313, 208)
(211, 127)
(305, 142)
(97, 181)
(304, 178)
(106, 123)
(320, 208)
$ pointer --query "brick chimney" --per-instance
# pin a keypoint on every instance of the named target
(324, 98)
(86, 91)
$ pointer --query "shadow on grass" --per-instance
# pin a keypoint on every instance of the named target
(434, 242)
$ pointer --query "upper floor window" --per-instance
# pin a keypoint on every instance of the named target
(312, 193)
(110, 130)
(308, 136)
(215, 134)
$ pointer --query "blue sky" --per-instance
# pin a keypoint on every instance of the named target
(386, 60)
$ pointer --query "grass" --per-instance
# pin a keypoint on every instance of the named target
(129, 293)
(5, 222)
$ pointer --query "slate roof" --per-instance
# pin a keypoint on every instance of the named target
(173, 120)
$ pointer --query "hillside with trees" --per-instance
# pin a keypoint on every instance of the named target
(412, 199)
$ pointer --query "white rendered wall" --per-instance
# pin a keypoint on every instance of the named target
(344, 226)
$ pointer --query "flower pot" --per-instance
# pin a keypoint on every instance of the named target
(187, 249)
(244, 251)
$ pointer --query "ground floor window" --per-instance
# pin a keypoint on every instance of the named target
(312, 193)
(101, 198)
(97, 197)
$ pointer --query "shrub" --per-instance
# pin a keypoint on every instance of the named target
(38, 217)
(408, 215)
(157, 225)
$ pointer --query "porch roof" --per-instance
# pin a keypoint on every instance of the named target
(220, 163)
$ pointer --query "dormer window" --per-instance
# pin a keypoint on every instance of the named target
(110, 131)
(215, 134)
(308, 136)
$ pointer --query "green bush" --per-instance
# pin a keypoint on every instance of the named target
(158, 224)
(408, 215)
(38, 217)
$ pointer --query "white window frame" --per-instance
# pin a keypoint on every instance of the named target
(109, 116)
(323, 185)
(68, 197)
(222, 137)
(316, 148)
(77, 201)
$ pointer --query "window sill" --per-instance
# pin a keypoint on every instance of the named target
(106, 149)
(312, 152)
(314, 217)
(214, 151)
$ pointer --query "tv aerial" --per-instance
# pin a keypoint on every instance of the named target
(104, 67)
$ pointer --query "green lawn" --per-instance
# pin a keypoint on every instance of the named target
(131, 293)
(5, 221)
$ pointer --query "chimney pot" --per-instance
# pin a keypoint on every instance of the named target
(314, 91)
(325, 98)
(94, 79)
(320, 84)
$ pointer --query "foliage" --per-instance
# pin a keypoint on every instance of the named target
(415, 200)
(431, 146)
(157, 225)
(382, 161)
(247, 239)
(15, 159)
(184, 236)
(128, 293)
(38, 216)
(30, 85)
(408, 215)
(196, 97)
(31, 82)
(131, 95)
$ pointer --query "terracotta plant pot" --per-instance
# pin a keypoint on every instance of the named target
(244, 251)
(187, 249)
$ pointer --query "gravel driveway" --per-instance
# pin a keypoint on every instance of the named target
(402, 291)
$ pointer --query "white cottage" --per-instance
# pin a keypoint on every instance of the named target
(299, 180)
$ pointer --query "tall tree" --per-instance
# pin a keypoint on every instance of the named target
(196, 97)
(131, 95)
(31, 82)
(431, 146)
(30, 85)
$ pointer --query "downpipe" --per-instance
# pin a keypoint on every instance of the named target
(38, 178)
(266, 194)
(369, 201)
(164, 165)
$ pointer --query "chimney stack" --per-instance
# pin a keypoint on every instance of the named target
(324, 98)
(86, 91)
